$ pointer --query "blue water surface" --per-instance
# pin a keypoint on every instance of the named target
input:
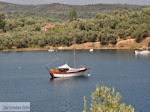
(24, 78)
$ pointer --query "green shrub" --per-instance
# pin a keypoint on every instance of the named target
(149, 44)
(37, 28)
(106, 100)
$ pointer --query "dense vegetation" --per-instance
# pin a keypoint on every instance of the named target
(60, 11)
(25, 31)
(149, 44)
(106, 100)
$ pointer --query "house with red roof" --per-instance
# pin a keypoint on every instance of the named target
(44, 28)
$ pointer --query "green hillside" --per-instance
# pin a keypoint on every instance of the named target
(25, 31)
(60, 11)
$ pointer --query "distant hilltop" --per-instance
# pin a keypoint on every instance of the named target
(57, 10)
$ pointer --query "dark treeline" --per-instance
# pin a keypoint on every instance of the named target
(25, 31)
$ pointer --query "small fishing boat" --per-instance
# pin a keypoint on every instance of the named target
(51, 50)
(91, 50)
(143, 52)
(66, 71)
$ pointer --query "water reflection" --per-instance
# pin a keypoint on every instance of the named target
(142, 56)
(53, 80)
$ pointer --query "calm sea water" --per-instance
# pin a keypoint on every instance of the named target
(24, 78)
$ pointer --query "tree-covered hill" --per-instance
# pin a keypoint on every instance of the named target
(60, 11)
(25, 31)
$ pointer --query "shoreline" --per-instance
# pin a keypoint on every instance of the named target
(128, 44)
(62, 49)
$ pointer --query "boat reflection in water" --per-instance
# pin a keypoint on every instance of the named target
(67, 83)
(83, 77)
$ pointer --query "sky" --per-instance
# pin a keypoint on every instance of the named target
(79, 2)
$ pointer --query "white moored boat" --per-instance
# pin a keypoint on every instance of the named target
(66, 71)
(143, 52)
(51, 50)
(91, 50)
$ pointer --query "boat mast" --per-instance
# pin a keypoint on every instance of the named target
(74, 51)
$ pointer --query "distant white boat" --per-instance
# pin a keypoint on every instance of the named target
(51, 50)
(91, 50)
(143, 52)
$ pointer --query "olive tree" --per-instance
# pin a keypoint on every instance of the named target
(2, 21)
(106, 100)
(72, 14)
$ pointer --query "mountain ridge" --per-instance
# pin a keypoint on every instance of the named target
(58, 10)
